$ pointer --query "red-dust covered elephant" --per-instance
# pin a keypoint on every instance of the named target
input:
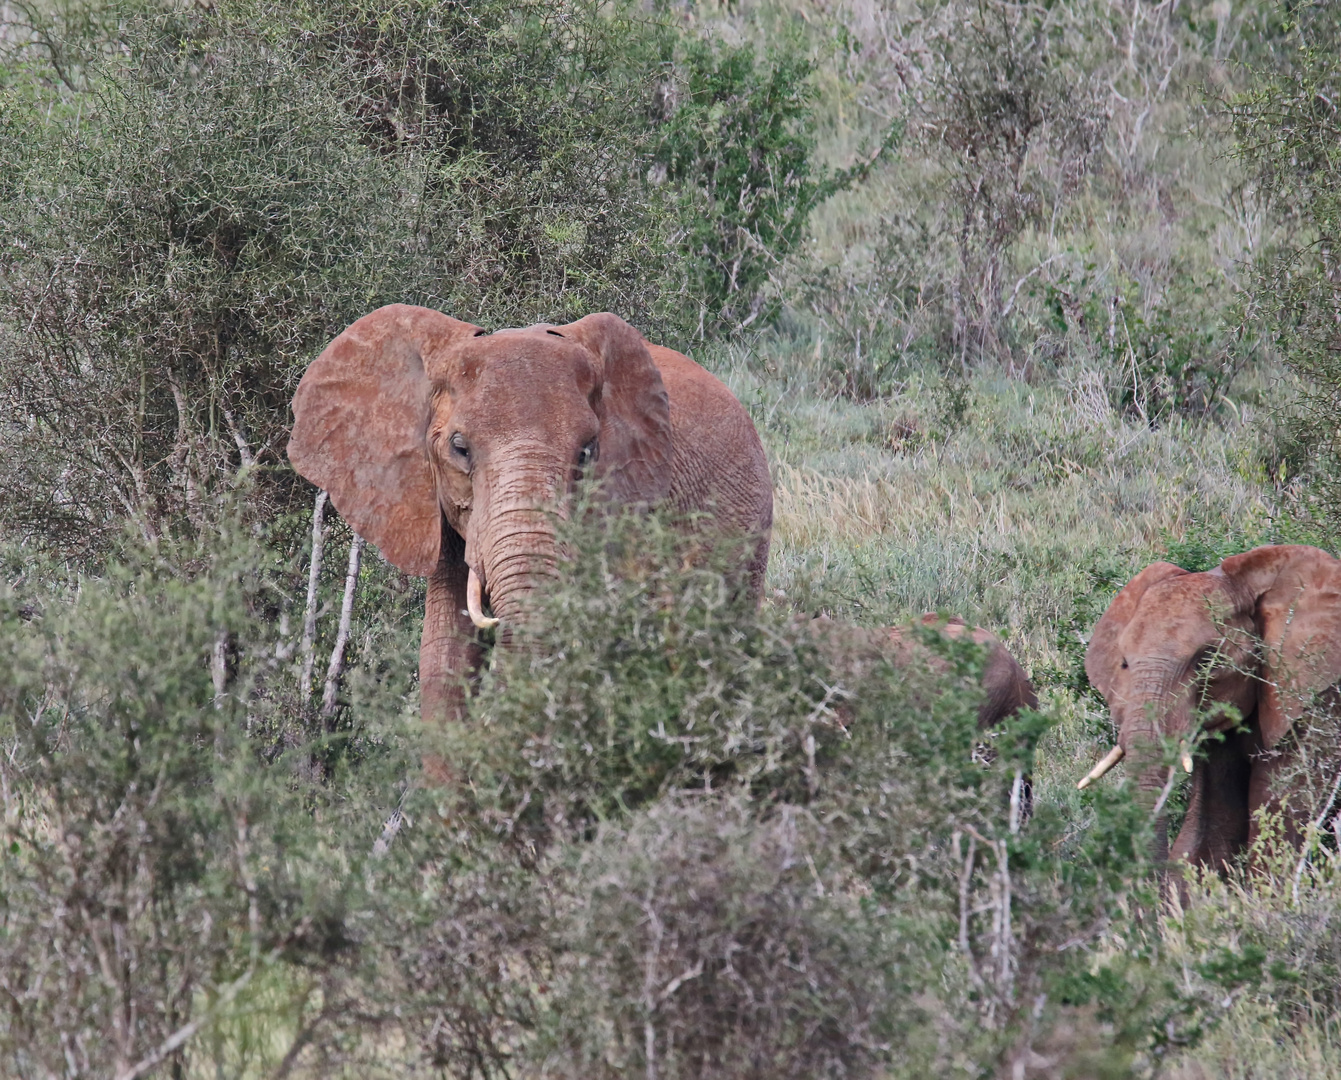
(1260, 632)
(450, 448)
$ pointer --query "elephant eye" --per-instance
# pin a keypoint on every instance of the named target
(459, 447)
(1124, 665)
(587, 454)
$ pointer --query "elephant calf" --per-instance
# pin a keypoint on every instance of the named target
(1006, 687)
(451, 448)
(1262, 633)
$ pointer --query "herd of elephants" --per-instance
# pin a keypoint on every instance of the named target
(448, 447)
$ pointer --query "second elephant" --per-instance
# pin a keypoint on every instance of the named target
(1006, 687)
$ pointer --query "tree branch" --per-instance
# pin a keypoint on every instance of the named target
(337, 665)
(313, 577)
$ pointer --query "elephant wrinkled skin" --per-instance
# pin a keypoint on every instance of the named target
(451, 449)
(1262, 633)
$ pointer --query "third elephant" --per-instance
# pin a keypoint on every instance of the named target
(1241, 651)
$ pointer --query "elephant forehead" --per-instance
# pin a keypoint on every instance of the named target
(1179, 614)
(534, 349)
(528, 368)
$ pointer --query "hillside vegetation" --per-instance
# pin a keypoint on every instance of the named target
(1020, 298)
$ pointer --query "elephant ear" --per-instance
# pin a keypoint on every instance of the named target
(1103, 658)
(361, 413)
(635, 443)
(1297, 595)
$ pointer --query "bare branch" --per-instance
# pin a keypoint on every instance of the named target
(1164, 795)
(313, 576)
(965, 884)
(219, 667)
(337, 665)
(1310, 836)
(244, 451)
(1015, 293)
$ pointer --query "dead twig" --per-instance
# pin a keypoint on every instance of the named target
(337, 665)
(306, 649)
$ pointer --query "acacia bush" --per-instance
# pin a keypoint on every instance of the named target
(681, 835)
(736, 139)
(158, 867)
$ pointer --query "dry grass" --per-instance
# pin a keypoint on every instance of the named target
(995, 513)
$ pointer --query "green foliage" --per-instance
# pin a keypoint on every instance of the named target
(738, 142)
(1204, 545)
(1013, 84)
(156, 864)
(706, 944)
(1286, 135)
(873, 319)
(1181, 359)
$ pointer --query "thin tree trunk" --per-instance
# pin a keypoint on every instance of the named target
(219, 668)
(337, 665)
(245, 455)
(310, 614)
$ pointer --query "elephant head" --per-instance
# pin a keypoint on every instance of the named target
(1260, 632)
(410, 418)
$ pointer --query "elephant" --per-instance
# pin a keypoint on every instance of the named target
(1006, 686)
(1261, 633)
(451, 449)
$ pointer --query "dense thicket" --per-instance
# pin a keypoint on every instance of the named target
(1286, 130)
(222, 190)
(681, 836)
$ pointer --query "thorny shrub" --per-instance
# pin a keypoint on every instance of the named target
(685, 835)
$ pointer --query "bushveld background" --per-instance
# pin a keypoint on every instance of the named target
(1020, 296)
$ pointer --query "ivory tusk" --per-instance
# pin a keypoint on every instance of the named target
(1187, 761)
(474, 607)
(1114, 756)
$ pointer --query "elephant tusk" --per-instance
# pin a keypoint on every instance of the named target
(1114, 756)
(474, 608)
(1187, 761)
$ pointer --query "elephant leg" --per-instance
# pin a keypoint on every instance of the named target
(448, 650)
(1270, 789)
(758, 568)
(1216, 828)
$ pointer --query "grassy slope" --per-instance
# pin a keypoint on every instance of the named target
(1025, 505)
(1024, 515)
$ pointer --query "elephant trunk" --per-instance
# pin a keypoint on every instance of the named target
(518, 555)
(511, 545)
(1156, 709)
